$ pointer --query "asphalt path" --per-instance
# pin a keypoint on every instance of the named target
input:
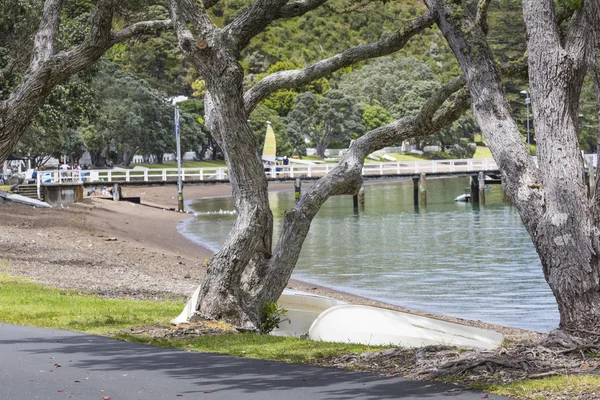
(38, 363)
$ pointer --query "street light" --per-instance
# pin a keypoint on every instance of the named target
(527, 103)
(176, 100)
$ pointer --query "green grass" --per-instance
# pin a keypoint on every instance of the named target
(266, 347)
(549, 388)
(407, 157)
(186, 164)
(27, 303)
(482, 152)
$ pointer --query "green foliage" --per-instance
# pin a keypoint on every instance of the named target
(400, 86)
(375, 116)
(272, 314)
(463, 149)
(335, 117)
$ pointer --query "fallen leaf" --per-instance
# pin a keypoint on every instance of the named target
(77, 381)
(57, 365)
(106, 398)
(102, 390)
(61, 390)
(208, 391)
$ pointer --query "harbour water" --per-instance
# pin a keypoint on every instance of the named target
(448, 258)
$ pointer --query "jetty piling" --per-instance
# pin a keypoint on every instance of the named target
(416, 179)
(423, 190)
(297, 189)
(481, 188)
(474, 189)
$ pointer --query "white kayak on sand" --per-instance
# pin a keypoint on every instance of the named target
(379, 326)
(302, 310)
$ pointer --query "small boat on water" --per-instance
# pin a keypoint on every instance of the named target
(379, 326)
(464, 198)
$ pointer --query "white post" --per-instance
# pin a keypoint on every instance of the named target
(380, 168)
(309, 170)
(127, 179)
(201, 174)
(38, 182)
(145, 175)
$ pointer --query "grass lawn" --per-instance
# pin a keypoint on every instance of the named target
(551, 388)
(407, 157)
(482, 152)
(27, 303)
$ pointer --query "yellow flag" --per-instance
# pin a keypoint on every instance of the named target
(270, 148)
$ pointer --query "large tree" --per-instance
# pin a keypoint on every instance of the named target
(551, 196)
(48, 66)
(248, 272)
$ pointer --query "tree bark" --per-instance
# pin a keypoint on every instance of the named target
(551, 199)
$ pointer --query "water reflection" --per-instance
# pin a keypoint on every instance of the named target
(450, 258)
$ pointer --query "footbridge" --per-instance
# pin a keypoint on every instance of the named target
(139, 175)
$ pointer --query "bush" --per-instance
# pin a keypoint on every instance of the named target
(272, 315)
(463, 149)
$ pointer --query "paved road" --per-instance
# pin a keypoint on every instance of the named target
(92, 367)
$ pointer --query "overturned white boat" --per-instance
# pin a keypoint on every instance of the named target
(379, 326)
(302, 310)
(327, 319)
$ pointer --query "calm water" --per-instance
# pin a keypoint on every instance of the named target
(448, 258)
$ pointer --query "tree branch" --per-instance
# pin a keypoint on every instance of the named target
(189, 11)
(481, 17)
(290, 79)
(252, 22)
(346, 177)
(43, 47)
(298, 8)
(547, 23)
(141, 28)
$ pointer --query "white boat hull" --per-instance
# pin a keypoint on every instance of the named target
(378, 326)
(302, 310)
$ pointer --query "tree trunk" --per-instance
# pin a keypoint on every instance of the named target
(249, 241)
(96, 157)
(320, 148)
(551, 200)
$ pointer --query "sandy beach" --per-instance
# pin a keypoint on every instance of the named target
(125, 249)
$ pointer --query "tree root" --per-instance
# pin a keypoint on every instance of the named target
(531, 360)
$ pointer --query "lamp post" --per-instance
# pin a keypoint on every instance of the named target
(527, 103)
(178, 140)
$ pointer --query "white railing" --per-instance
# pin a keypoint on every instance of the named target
(274, 172)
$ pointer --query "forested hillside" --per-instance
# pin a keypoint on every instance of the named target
(79, 115)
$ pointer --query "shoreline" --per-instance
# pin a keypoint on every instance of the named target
(126, 249)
